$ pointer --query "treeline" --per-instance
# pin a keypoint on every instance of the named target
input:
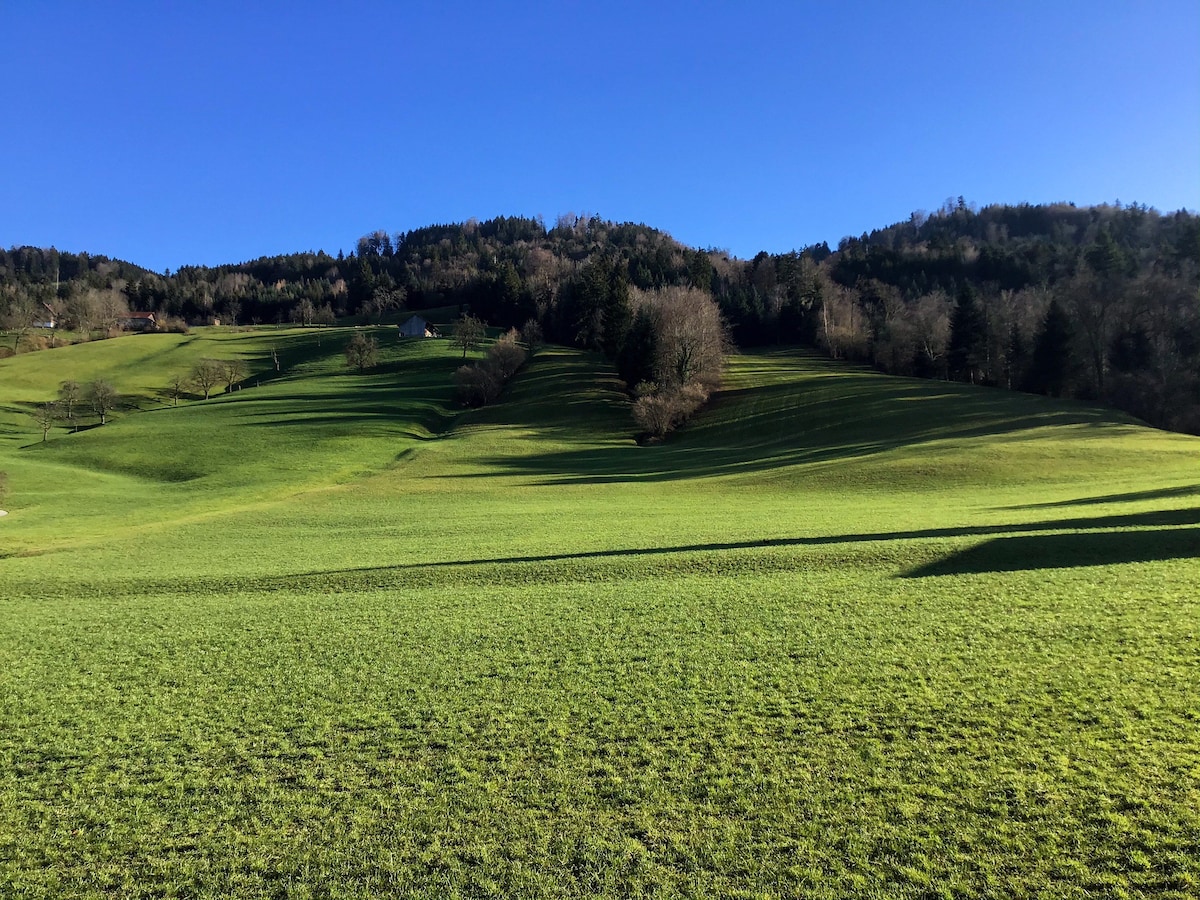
(1101, 303)
(1098, 303)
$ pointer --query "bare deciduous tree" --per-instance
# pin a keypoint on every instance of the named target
(531, 334)
(482, 382)
(506, 356)
(70, 394)
(361, 352)
(383, 301)
(82, 310)
(46, 415)
(233, 371)
(207, 375)
(304, 312)
(176, 386)
(843, 327)
(113, 307)
(690, 338)
(931, 330)
(468, 333)
(661, 409)
(103, 398)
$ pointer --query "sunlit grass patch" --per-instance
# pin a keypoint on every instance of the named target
(329, 635)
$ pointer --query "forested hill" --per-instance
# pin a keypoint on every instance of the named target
(1095, 302)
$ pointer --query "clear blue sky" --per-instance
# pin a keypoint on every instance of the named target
(218, 132)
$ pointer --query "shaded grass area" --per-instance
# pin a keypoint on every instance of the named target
(1190, 490)
(1068, 551)
(846, 636)
(781, 411)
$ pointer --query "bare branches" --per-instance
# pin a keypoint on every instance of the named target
(45, 415)
(468, 333)
(207, 374)
(362, 352)
(103, 398)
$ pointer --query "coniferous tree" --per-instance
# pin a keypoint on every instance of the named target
(967, 352)
(618, 314)
(1051, 363)
(1014, 358)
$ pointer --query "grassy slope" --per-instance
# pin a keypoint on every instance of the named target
(845, 634)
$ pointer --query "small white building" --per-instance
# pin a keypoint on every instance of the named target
(417, 327)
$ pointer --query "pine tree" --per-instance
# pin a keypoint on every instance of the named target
(1051, 366)
(968, 338)
(1014, 358)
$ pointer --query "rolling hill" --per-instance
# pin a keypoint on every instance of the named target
(845, 633)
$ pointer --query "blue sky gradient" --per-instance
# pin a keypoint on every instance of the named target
(203, 134)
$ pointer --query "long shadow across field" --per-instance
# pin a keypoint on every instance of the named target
(1066, 551)
(1105, 540)
(1129, 497)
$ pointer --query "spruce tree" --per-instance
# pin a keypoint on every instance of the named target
(968, 338)
(1051, 365)
(1014, 358)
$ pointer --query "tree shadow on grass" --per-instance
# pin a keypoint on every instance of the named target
(1031, 551)
(1130, 497)
(1066, 551)
(421, 405)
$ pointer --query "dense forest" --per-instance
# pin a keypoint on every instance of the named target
(1100, 303)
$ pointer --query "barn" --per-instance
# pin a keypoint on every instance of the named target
(417, 327)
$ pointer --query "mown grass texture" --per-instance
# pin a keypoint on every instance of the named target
(845, 635)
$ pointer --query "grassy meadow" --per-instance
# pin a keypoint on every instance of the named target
(844, 635)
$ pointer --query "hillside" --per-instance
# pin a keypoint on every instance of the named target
(1096, 303)
(784, 419)
(844, 633)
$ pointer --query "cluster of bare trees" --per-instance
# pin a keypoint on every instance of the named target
(480, 383)
(98, 396)
(382, 301)
(307, 313)
(684, 340)
(206, 376)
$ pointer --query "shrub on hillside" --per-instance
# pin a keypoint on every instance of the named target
(506, 356)
(477, 384)
(660, 409)
(31, 343)
(480, 383)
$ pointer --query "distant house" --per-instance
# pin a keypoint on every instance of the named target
(417, 327)
(139, 321)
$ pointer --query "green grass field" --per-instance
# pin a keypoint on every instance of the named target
(845, 635)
